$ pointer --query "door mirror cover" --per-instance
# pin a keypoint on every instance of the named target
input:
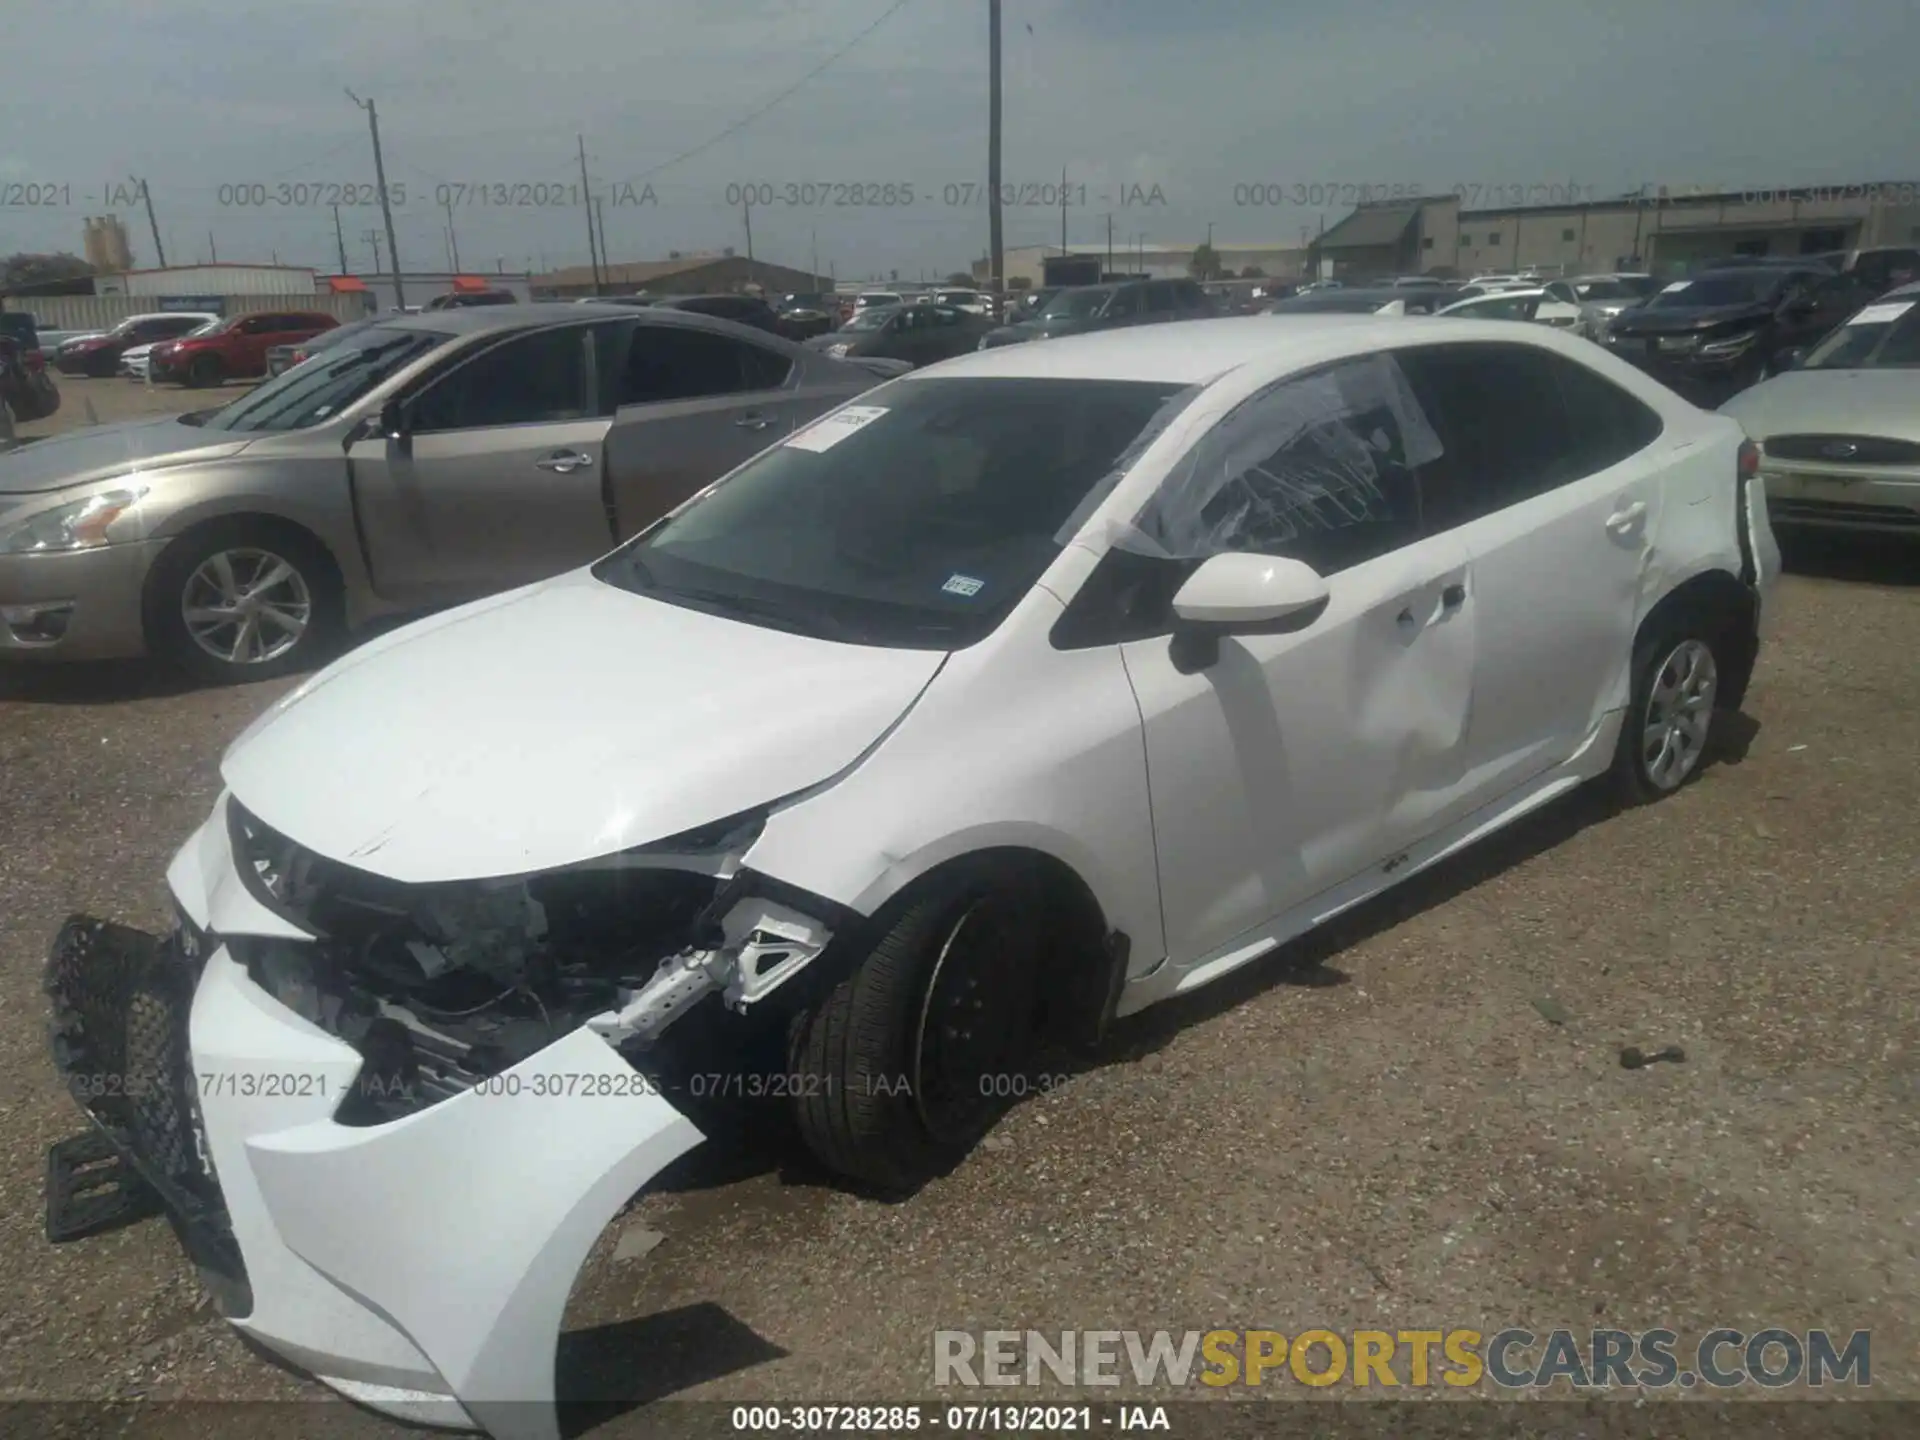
(1248, 594)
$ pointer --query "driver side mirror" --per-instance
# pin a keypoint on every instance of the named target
(390, 425)
(1791, 358)
(1241, 594)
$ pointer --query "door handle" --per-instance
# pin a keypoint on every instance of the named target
(754, 422)
(565, 462)
(1623, 521)
(1453, 597)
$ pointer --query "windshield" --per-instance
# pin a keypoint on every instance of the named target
(1715, 290)
(877, 299)
(1076, 304)
(1609, 289)
(915, 519)
(325, 385)
(1884, 335)
(874, 317)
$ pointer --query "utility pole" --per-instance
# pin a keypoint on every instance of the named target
(746, 214)
(372, 237)
(1063, 209)
(340, 239)
(586, 200)
(213, 252)
(606, 260)
(1109, 242)
(453, 240)
(996, 253)
(813, 241)
(153, 225)
(386, 206)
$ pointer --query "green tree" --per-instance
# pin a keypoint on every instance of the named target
(1253, 272)
(1205, 264)
(959, 277)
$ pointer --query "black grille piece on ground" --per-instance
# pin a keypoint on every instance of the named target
(120, 1001)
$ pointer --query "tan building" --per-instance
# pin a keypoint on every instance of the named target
(1657, 231)
(104, 242)
(1161, 261)
(683, 275)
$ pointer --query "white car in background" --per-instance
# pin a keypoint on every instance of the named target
(135, 362)
(970, 301)
(1501, 304)
(1026, 691)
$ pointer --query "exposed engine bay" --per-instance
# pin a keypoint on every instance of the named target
(441, 986)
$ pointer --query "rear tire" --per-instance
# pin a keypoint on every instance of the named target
(912, 1057)
(273, 577)
(1677, 670)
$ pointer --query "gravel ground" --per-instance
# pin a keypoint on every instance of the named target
(1378, 1129)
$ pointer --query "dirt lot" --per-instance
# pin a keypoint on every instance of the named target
(104, 401)
(1379, 1128)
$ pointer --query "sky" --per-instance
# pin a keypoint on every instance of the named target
(1163, 116)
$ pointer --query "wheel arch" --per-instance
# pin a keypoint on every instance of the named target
(1729, 607)
(269, 520)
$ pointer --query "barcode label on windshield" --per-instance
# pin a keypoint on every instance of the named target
(1881, 314)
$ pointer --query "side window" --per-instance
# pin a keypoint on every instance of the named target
(1158, 298)
(668, 362)
(1189, 296)
(1500, 414)
(1318, 468)
(1607, 423)
(1561, 291)
(1123, 303)
(528, 380)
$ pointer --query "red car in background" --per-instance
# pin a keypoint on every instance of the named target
(235, 350)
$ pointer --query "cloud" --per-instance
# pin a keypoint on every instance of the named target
(1193, 99)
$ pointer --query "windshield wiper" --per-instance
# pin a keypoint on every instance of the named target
(779, 617)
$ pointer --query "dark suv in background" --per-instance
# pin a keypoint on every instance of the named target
(1082, 309)
(1712, 334)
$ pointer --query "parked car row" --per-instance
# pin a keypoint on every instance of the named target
(1022, 693)
(411, 461)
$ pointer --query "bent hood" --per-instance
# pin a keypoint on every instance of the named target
(106, 452)
(557, 723)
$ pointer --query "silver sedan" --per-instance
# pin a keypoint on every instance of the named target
(426, 460)
(1839, 426)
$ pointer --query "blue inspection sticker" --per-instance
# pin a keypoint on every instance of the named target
(962, 585)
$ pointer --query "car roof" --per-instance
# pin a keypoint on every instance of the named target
(1197, 352)
(483, 319)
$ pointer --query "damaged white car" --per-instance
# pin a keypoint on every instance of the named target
(1030, 690)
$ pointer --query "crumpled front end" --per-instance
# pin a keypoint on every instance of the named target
(390, 1121)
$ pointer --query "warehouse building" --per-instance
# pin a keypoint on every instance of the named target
(1137, 256)
(680, 275)
(1656, 230)
(220, 277)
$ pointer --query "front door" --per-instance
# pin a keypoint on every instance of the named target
(498, 480)
(1299, 760)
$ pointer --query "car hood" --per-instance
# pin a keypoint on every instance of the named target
(1686, 319)
(1831, 402)
(557, 723)
(106, 452)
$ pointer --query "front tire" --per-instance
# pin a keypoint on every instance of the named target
(204, 372)
(243, 600)
(1669, 722)
(910, 1059)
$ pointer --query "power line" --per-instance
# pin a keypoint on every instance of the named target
(754, 115)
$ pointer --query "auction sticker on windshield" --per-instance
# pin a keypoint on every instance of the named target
(827, 433)
(1676, 287)
(1881, 314)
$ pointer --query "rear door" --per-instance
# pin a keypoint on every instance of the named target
(498, 482)
(1549, 474)
(694, 403)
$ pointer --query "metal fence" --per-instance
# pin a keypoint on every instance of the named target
(103, 312)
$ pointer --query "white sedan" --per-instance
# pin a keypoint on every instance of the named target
(1534, 304)
(1032, 689)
